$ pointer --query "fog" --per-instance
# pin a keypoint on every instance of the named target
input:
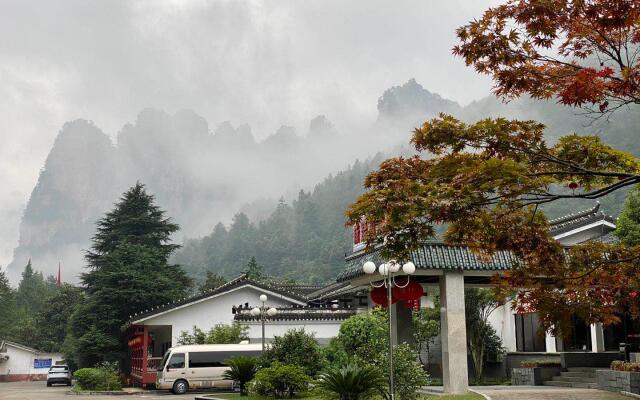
(265, 64)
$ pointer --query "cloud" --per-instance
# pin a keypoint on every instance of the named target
(266, 63)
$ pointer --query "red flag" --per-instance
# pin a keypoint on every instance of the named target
(58, 281)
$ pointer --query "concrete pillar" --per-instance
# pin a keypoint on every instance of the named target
(597, 338)
(550, 343)
(453, 333)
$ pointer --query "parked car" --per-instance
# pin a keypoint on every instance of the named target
(59, 374)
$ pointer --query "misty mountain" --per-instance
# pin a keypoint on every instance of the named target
(203, 176)
(304, 241)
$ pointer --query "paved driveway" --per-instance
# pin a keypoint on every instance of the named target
(40, 391)
(546, 393)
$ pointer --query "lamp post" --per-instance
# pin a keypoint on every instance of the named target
(263, 312)
(387, 270)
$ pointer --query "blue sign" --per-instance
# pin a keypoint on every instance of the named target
(42, 363)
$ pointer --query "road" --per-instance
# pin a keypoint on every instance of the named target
(546, 393)
(40, 391)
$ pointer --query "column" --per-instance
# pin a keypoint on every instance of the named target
(550, 343)
(453, 333)
(597, 338)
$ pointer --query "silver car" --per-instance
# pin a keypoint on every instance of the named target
(59, 374)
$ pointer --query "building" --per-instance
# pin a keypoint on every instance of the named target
(23, 363)
(446, 270)
(151, 332)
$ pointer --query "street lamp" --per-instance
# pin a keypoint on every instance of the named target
(387, 270)
(263, 312)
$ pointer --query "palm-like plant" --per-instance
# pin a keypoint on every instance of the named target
(352, 382)
(242, 369)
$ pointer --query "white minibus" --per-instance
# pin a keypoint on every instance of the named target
(199, 365)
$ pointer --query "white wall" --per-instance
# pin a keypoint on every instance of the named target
(20, 362)
(503, 321)
(323, 330)
(213, 311)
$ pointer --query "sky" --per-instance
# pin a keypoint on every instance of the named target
(266, 63)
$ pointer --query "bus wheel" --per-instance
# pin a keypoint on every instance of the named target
(180, 387)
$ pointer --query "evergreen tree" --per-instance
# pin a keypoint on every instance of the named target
(628, 225)
(213, 281)
(32, 291)
(55, 316)
(253, 271)
(128, 271)
(8, 309)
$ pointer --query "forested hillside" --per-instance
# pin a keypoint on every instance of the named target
(305, 240)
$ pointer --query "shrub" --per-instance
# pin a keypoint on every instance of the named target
(539, 363)
(364, 338)
(280, 380)
(242, 369)
(219, 334)
(104, 377)
(625, 366)
(351, 382)
(295, 347)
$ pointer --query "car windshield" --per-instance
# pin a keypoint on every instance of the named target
(58, 369)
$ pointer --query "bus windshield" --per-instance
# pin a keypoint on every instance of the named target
(164, 360)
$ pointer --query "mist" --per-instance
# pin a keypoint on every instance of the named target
(265, 64)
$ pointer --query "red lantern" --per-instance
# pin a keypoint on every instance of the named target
(379, 296)
(413, 291)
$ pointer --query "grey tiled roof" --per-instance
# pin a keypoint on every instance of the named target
(433, 255)
(582, 218)
(234, 283)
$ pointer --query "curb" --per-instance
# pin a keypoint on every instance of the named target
(629, 394)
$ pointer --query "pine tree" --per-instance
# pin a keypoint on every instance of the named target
(32, 291)
(628, 225)
(128, 271)
(8, 308)
(213, 281)
(253, 271)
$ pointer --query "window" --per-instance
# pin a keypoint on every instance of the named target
(177, 361)
(59, 369)
(208, 359)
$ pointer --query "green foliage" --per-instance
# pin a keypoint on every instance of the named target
(219, 334)
(212, 281)
(305, 238)
(482, 339)
(253, 271)
(104, 377)
(8, 307)
(628, 224)
(55, 315)
(295, 347)
(280, 380)
(352, 382)
(242, 369)
(33, 291)
(426, 328)
(128, 271)
(364, 339)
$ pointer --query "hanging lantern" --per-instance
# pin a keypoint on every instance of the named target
(413, 291)
(379, 296)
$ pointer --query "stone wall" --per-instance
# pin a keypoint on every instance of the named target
(533, 376)
(618, 381)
